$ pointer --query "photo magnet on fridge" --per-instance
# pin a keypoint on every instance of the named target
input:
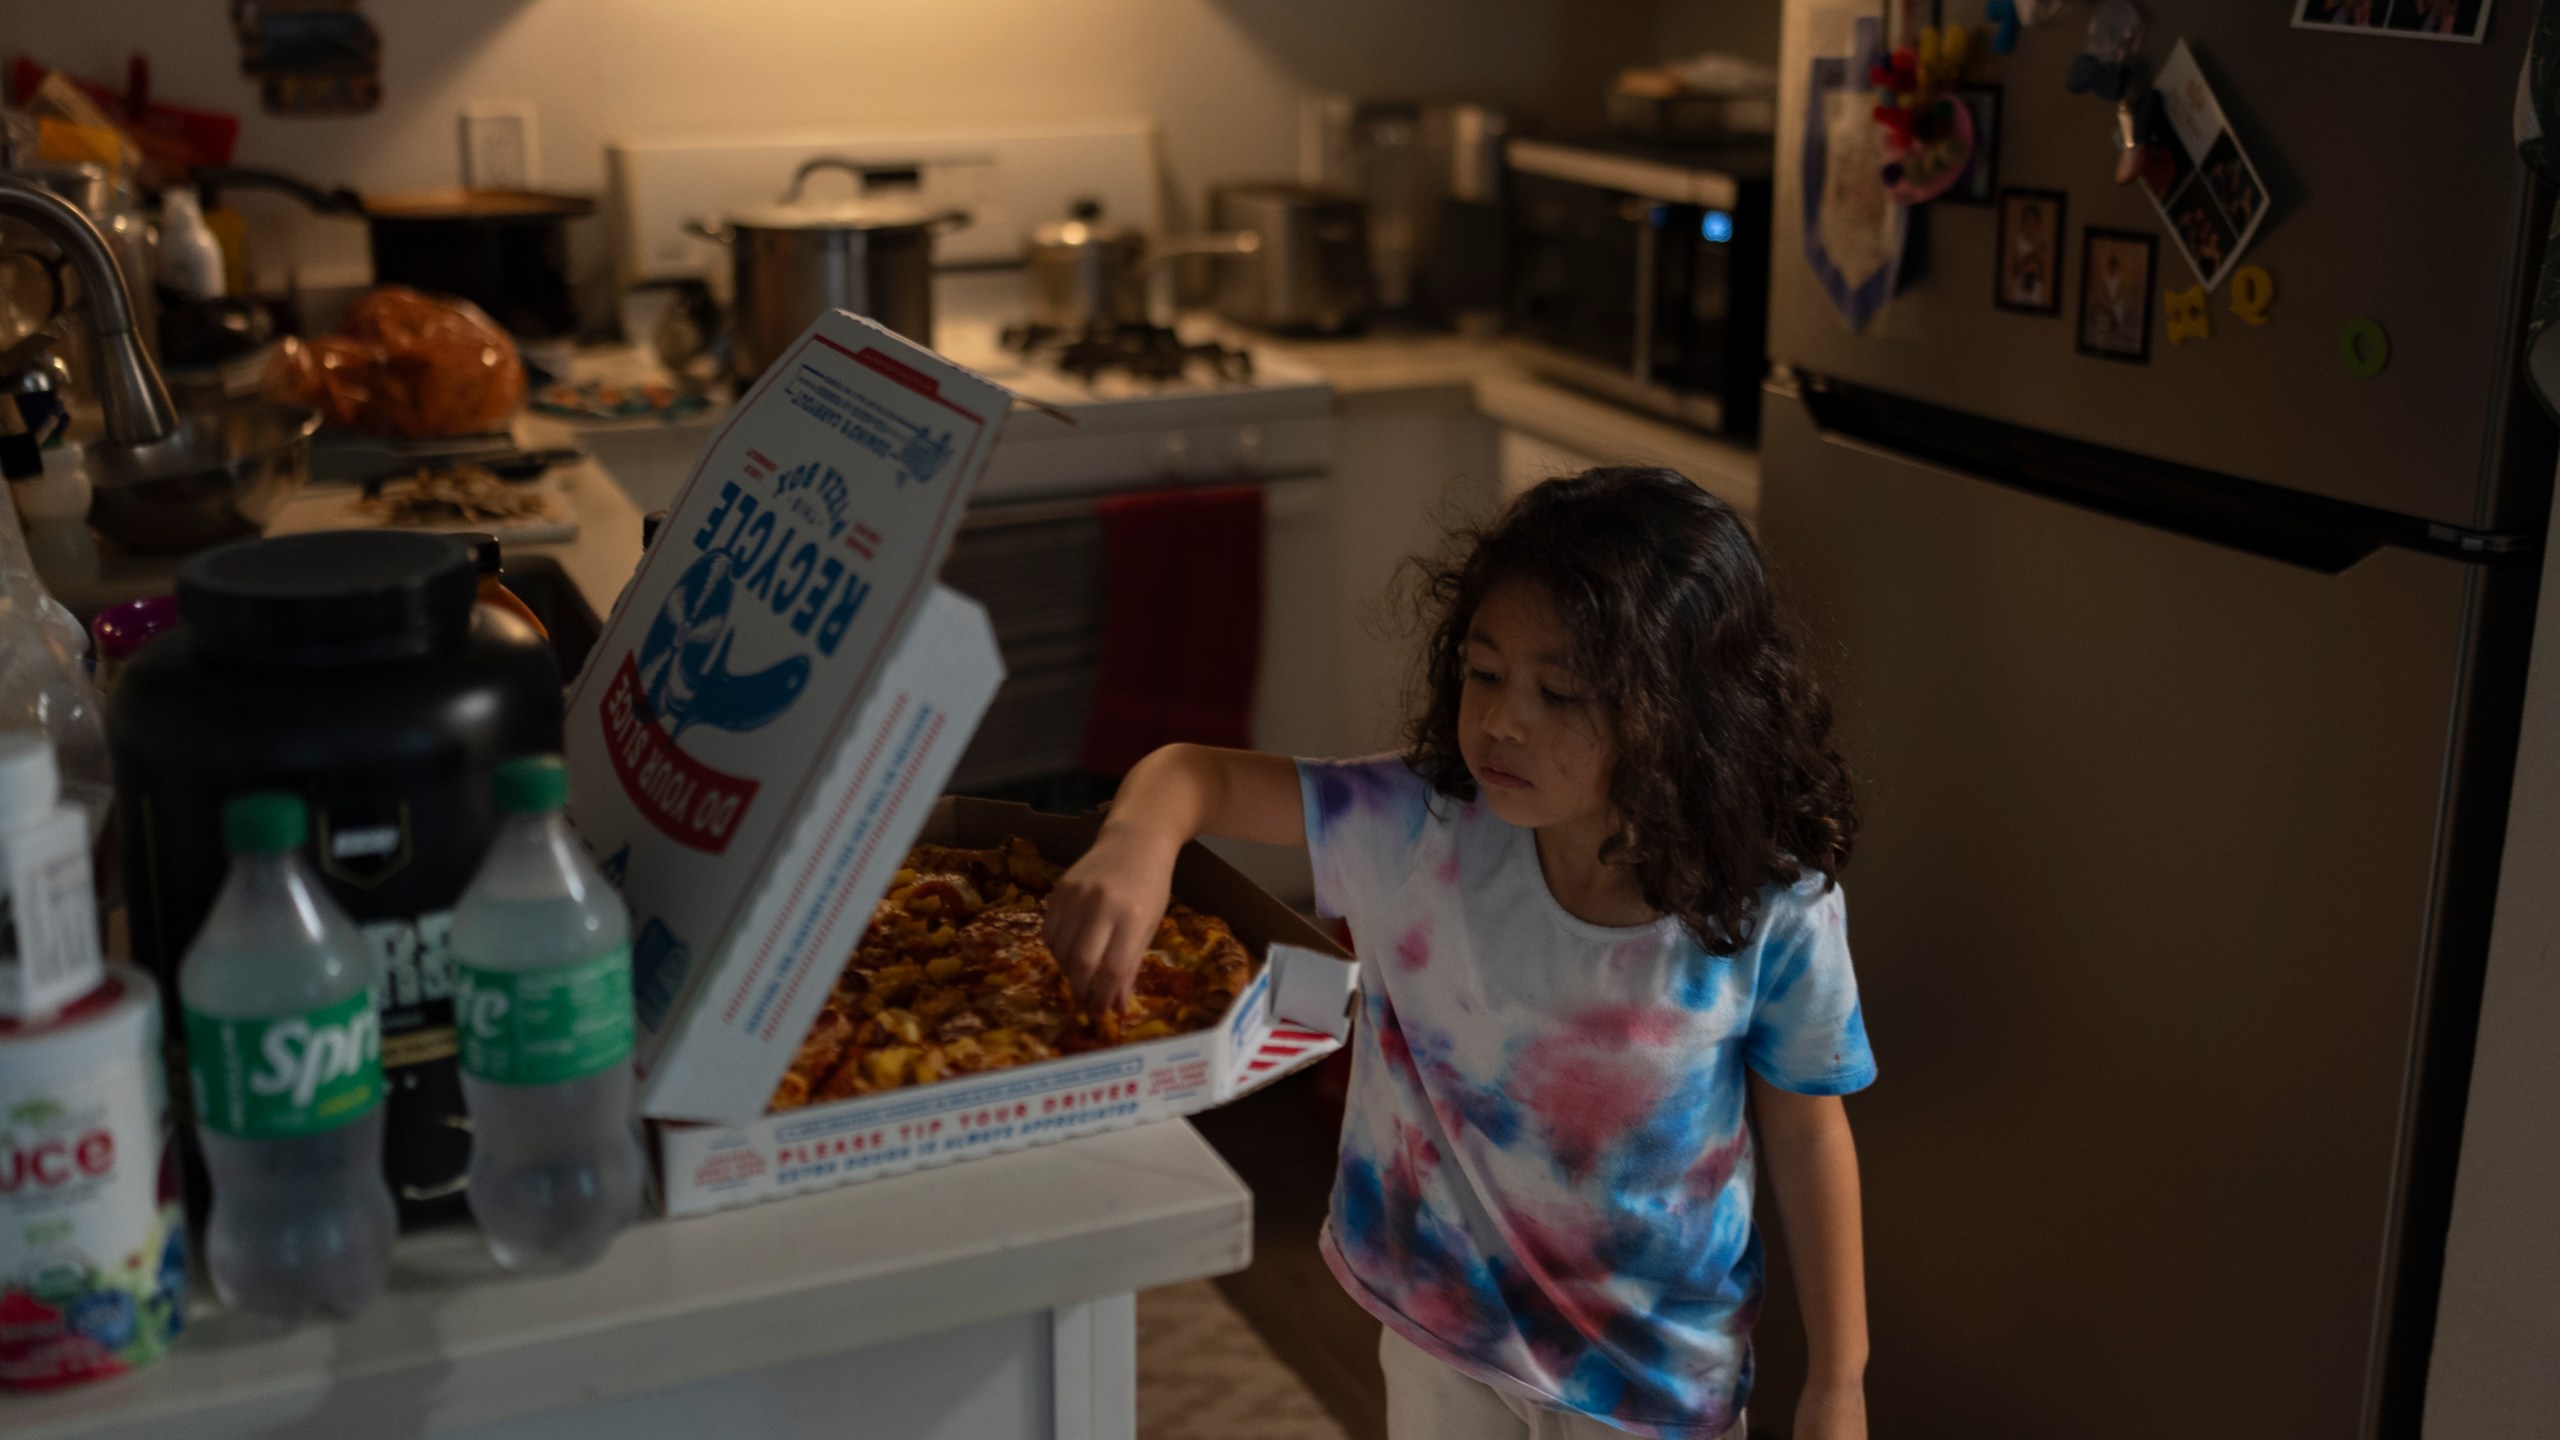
(1980, 183)
(2464, 21)
(2115, 294)
(2028, 278)
(2213, 200)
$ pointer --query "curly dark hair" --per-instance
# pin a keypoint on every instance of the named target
(1725, 780)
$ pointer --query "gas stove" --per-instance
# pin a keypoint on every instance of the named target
(1134, 407)
(1141, 352)
(1125, 410)
(1134, 410)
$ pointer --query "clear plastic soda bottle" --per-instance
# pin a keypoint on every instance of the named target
(542, 1003)
(284, 1046)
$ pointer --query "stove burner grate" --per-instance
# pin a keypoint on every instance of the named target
(1149, 352)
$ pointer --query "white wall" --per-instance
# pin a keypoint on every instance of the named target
(1221, 77)
(2496, 1374)
(1748, 28)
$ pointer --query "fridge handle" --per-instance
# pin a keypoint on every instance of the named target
(2313, 531)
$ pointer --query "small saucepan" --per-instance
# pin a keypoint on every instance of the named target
(1089, 274)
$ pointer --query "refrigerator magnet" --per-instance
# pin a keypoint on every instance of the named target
(2367, 347)
(2206, 188)
(2115, 294)
(1980, 184)
(2028, 278)
(1933, 159)
(1853, 230)
(2466, 21)
(2186, 312)
(2253, 294)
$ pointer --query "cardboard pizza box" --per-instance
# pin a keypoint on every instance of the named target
(779, 695)
(1295, 1012)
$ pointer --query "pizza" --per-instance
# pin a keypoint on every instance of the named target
(952, 978)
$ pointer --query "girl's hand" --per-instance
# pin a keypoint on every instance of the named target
(1834, 1411)
(1103, 913)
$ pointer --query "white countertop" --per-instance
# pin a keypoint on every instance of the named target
(1382, 369)
(1424, 368)
(457, 1342)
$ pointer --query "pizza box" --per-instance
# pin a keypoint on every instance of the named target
(1296, 1012)
(778, 696)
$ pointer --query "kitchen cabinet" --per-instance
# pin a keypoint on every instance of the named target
(1435, 433)
(1529, 459)
(1409, 467)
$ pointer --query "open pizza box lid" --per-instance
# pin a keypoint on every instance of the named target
(779, 696)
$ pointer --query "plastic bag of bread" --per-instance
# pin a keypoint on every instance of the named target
(405, 363)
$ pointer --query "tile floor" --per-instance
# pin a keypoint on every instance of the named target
(1203, 1374)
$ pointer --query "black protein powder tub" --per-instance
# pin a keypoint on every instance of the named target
(356, 670)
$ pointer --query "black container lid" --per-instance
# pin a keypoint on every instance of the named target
(338, 598)
(486, 557)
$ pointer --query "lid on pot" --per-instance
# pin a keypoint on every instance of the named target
(870, 212)
(341, 597)
(1083, 226)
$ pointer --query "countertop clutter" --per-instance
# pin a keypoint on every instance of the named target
(457, 1345)
(687, 1312)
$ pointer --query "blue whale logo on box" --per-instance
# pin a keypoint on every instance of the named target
(684, 661)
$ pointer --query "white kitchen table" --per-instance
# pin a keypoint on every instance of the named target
(979, 1301)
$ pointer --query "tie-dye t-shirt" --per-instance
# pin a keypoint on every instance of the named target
(1546, 1177)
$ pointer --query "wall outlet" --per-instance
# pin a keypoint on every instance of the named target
(498, 151)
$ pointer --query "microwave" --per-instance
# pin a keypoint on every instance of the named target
(1641, 274)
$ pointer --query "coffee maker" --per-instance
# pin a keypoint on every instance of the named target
(1431, 178)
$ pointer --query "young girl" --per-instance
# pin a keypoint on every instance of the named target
(1596, 907)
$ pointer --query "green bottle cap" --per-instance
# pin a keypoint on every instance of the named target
(532, 785)
(264, 822)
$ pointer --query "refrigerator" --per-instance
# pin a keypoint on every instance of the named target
(2183, 697)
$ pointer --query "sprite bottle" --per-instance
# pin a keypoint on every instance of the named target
(543, 1008)
(285, 1051)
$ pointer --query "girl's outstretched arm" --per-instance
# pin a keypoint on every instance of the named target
(1813, 1168)
(1104, 910)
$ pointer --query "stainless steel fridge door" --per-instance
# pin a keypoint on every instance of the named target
(2397, 196)
(2139, 911)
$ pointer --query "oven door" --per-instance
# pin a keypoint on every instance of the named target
(1038, 567)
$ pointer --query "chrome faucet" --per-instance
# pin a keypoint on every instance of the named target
(136, 399)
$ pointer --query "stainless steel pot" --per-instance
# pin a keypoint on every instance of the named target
(1312, 272)
(792, 261)
(1089, 274)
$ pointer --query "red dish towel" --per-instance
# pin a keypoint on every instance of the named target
(1181, 623)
